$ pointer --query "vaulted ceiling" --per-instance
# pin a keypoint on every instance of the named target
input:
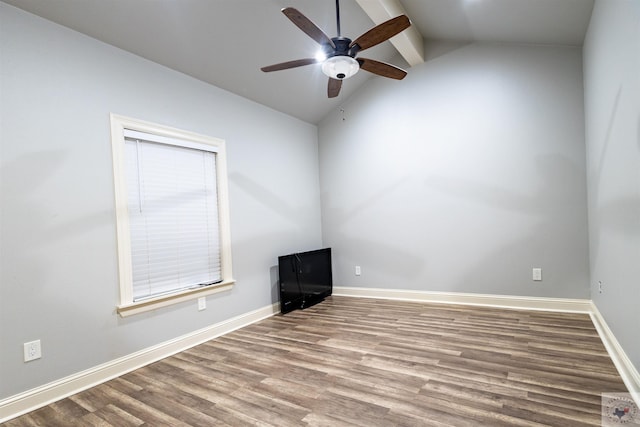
(225, 42)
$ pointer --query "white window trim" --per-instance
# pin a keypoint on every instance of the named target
(127, 306)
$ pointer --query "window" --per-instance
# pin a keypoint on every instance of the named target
(171, 213)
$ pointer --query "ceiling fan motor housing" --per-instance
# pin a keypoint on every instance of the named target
(340, 63)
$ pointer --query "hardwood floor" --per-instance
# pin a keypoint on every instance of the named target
(366, 362)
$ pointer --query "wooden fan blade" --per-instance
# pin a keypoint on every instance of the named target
(334, 87)
(289, 64)
(382, 32)
(381, 68)
(307, 26)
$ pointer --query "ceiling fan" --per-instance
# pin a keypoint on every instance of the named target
(339, 53)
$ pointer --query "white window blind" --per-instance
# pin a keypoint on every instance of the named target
(173, 214)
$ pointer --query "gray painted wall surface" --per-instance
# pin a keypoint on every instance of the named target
(612, 110)
(462, 177)
(58, 260)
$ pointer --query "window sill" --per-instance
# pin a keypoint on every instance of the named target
(126, 310)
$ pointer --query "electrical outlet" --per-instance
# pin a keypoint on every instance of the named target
(599, 287)
(202, 303)
(32, 351)
(537, 274)
(358, 270)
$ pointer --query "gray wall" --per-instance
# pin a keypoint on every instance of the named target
(612, 110)
(463, 176)
(58, 256)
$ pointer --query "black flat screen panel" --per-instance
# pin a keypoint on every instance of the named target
(305, 279)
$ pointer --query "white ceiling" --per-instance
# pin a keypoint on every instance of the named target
(225, 42)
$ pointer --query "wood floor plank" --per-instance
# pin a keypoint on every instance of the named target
(111, 415)
(366, 362)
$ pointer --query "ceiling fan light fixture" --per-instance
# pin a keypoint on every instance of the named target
(340, 67)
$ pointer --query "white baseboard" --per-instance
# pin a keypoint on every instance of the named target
(501, 301)
(627, 371)
(30, 400)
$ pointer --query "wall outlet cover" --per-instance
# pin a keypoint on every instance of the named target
(32, 351)
(537, 274)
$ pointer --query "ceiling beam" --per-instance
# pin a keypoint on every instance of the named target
(409, 42)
